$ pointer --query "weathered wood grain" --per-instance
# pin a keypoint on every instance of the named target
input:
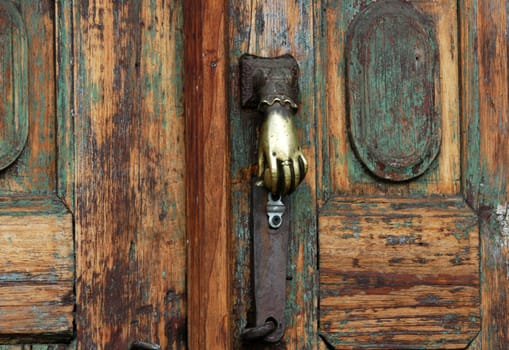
(399, 273)
(400, 246)
(470, 180)
(340, 169)
(36, 227)
(65, 78)
(208, 219)
(71, 346)
(37, 270)
(393, 82)
(469, 74)
(13, 84)
(476, 343)
(272, 28)
(491, 191)
(259, 36)
(35, 169)
(130, 187)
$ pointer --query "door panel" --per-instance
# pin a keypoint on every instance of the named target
(36, 226)
(399, 251)
(481, 153)
(36, 290)
(343, 171)
(399, 272)
(117, 70)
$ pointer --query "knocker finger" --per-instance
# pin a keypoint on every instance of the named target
(272, 174)
(303, 167)
(286, 177)
(297, 175)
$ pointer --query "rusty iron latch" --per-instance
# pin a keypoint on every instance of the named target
(270, 254)
(271, 86)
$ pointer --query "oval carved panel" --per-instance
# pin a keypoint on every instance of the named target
(13, 84)
(393, 89)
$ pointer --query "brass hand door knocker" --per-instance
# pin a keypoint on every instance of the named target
(281, 163)
(271, 86)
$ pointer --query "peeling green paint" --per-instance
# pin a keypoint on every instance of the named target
(14, 90)
(392, 86)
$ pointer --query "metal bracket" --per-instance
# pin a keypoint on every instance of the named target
(270, 254)
(275, 211)
(263, 78)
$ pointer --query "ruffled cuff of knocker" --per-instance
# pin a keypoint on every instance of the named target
(269, 100)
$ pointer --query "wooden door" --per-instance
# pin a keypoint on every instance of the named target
(132, 138)
(385, 251)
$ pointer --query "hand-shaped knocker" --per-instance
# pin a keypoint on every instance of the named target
(271, 85)
(281, 163)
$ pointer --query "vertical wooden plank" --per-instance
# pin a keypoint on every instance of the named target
(469, 94)
(273, 28)
(161, 245)
(469, 76)
(64, 97)
(130, 214)
(207, 175)
(492, 26)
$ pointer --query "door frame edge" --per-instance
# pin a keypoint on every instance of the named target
(207, 175)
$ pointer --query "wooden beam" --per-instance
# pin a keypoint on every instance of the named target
(492, 24)
(207, 174)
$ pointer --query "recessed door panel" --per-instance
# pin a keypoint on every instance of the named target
(13, 85)
(398, 245)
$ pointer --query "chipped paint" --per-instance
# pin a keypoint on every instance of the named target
(502, 213)
(45, 267)
(14, 87)
(393, 82)
(502, 217)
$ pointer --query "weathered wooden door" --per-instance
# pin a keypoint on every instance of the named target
(399, 233)
(126, 165)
